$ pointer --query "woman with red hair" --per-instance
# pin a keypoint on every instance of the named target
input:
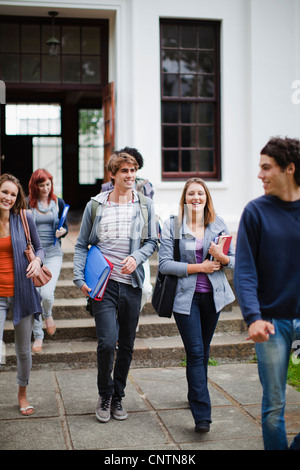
(47, 208)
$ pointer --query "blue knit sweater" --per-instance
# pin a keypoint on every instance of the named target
(267, 274)
(27, 300)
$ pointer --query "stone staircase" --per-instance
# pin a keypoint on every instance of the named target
(157, 344)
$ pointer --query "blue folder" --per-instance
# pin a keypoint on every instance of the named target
(62, 220)
(97, 269)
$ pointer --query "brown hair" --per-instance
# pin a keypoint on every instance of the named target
(209, 211)
(21, 199)
(117, 159)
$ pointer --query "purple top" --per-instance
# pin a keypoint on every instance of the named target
(203, 283)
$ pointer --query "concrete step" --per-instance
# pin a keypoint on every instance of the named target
(158, 343)
(150, 326)
(163, 351)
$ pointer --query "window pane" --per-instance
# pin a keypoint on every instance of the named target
(170, 36)
(188, 136)
(170, 85)
(170, 136)
(90, 40)
(189, 160)
(70, 40)
(10, 67)
(206, 62)
(46, 152)
(206, 136)
(47, 34)
(206, 160)
(171, 160)
(188, 112)
(170, 61)
(188, 61)
(9, 37)
(206, 113)
(188, 85)
(71, 69)
(206, 86)
(91, 145)
(32, 119)
(188, 37)
(170, 112)
(30, 38)
(31, 68)
(90, 69)
(206, 38)
(50, 69)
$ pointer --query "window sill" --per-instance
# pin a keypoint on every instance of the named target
(180, 184)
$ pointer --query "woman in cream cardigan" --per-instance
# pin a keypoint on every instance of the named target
(202, 289)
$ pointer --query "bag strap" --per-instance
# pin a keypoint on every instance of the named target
(176, 235)
(25, 225)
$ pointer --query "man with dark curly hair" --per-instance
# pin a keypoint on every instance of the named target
(267, 279)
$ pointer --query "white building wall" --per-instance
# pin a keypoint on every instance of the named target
(259, 63)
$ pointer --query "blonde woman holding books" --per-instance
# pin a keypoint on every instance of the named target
(202, 288)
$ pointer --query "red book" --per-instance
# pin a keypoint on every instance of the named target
(100, 294)
(225, 241)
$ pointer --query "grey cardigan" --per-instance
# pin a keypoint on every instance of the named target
(88, 236)
(222, 292)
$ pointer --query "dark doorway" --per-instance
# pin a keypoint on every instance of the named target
(74, 79)
(17, 158)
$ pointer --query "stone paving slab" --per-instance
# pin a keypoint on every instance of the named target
(159, 418)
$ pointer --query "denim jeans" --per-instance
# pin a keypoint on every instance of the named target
(22, 332)
(273, 359)
(116, 319)
(197, 330)
(53, 263)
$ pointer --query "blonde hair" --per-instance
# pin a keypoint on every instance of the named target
(209, 211)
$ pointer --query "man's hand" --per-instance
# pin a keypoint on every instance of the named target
(260, 330)
(129, 265)
(85, 289)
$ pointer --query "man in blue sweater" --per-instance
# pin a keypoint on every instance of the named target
(267, 279)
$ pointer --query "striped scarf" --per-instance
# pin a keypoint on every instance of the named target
(27, 300)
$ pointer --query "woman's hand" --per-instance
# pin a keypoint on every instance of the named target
(210, 267)
(33, 268)
(60, 233)
(207, 267)
(217, 252)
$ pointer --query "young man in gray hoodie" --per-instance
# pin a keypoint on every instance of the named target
(127, 238)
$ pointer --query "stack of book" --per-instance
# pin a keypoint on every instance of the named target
(97, 272)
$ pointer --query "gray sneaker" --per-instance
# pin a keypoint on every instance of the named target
(117, 409)
(103, 408)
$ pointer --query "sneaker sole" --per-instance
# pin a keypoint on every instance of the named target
(120, 418)
(102, 420)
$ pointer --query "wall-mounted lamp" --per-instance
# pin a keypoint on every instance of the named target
(53, 43)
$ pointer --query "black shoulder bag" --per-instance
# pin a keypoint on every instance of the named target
(165, 285)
